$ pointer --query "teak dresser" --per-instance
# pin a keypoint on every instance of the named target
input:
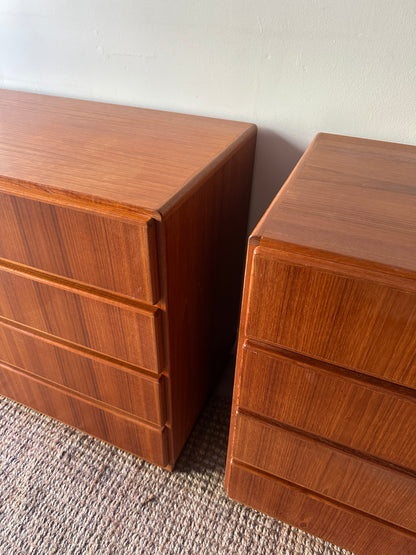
(323, 430)
(122, 237)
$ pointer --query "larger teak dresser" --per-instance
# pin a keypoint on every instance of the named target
(323, 430)
(121, 250)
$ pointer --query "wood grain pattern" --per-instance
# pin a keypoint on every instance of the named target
(124, 389)
(117, 156)
(320, 468)
(118, 429)
(358, 197)
(331, 521)
(322, 314)
(252, 243)
(117, 330)
(324, 402)
(63, 241)
(322, 429)
(121, 247)
(204, 248)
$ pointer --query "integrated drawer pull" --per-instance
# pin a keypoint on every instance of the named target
(81, 245)
(130, 334)
(89, 375)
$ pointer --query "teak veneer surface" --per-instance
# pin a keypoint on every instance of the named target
(322, 431)
(319, 515)
(98, 420)
(117, 330)
(119, 155)
(326, 326)
(42, 235)
(336, 474)
(121, 255)
(122, 388)
(358, 197)
(328, 403)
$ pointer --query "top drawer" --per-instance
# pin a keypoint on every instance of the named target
(91, 248)
(352, 322)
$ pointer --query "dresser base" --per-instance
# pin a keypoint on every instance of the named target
(312, 513)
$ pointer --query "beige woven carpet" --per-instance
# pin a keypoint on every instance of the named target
(64, 492)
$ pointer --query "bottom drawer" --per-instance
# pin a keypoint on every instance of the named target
(330, 472)
(332, 522)
(146, 441)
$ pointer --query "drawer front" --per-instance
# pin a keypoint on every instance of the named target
(114, 329)
(87, 247)
(123, 389)
(358, 483)
(128, 434)
(353, 323)
(332, 522)
(330, 405)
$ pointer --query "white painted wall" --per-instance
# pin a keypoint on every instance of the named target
(294, 67)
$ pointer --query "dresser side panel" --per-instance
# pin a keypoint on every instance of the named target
(204, 245)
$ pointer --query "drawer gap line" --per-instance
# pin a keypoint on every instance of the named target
(77, 394)
(331, 368)
(320, 497)
(339, 447)
(85, 351)
(80, 288)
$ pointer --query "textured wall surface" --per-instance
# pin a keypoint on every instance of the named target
(294, 67)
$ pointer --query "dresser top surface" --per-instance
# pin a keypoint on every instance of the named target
(124, 155)
(350, 200)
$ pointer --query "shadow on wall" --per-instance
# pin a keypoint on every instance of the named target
(275, 159)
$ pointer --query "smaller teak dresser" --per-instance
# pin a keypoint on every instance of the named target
(122, 237)
(323, 429)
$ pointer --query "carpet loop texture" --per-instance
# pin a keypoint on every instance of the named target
(63, 492)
